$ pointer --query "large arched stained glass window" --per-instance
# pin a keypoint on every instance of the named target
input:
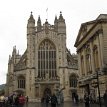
(47, 60)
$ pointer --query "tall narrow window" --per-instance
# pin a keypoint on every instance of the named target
(88, 63)
(96, 59)
(73, 80)
(88, 60)
(47, 60)
(21, 82)
(82, 66)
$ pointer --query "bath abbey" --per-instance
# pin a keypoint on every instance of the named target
(47, 65)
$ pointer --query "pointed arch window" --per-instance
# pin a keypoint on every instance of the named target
(47, 60)
(73, 80)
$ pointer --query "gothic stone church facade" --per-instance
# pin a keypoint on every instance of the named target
(46, 65)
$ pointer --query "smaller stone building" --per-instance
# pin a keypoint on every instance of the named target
(91, 44)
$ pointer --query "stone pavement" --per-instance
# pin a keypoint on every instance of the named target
(65, 104)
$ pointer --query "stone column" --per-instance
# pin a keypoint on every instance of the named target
(85, 66)
(33, 83)
(101, 47)
(99, 50)
(79, 64)
(92, 58)
(66, 91)
(27, 84)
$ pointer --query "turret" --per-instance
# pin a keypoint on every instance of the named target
(31, 25)
(46, 27)
(14, 54)
(14, 51)
(61, 24)
(56, 24)
(13, 60)
(39, 24)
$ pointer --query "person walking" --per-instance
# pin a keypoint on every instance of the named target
(54, 101)
(16, 102)
(105, 98)
(76, 98)
(27, 99)
(2, 101)
(86, 100)
(21, 100)
(47, 99)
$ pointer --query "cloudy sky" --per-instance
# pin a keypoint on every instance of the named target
(15, 13)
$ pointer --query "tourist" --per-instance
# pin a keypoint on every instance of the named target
(47, 99)
(21, 100)
(54, 101)
(86, 100)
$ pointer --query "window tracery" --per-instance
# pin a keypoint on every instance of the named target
(21, 82)
(73, 80)
(47, 60)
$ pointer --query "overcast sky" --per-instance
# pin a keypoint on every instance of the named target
(15, 13)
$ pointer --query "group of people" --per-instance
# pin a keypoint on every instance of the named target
(49, 99)
(14, 100)
(87, 99)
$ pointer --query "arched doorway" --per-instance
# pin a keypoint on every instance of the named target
(47, 91)
(73, 93)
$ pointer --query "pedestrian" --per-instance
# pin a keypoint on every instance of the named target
(16, 102)
(21, 100)
(27, 99)
(54, 101)
(76, 98)
(10, 100)
(105, 98)
(86, 100)
(47, 99)
(2, 101)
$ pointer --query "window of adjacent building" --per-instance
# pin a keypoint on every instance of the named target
(47, 60)
(96, 59)
(88, 60)
(82, 65)
(73, 80)
(88, 63)
(21, 82)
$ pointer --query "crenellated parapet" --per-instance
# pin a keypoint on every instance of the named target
(59, 25)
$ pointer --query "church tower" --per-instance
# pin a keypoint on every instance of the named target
(44, 67)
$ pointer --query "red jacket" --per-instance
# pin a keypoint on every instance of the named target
(22, 100)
